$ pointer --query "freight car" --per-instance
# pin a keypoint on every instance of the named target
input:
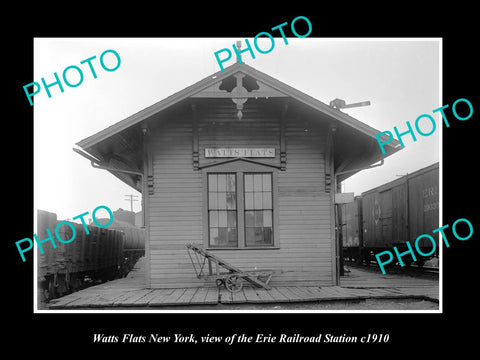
(133, 244)
(102, 255)
(391, 214)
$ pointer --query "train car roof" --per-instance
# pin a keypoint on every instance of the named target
(402, 180)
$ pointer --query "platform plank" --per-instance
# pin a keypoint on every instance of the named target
(104, 300)
(237, 298)
(173, 298)
(288, 293)
(199, 297)
(333, 293)
(83, 301)
(264, 295)
(361, 292)
(212, 296)
(64, 301)
(277, 295)
(250, 295)
(165, 297)
(312, 290)
(145, 300)
(304, 293)
(226, 296)
(187, 296)
(132, 298)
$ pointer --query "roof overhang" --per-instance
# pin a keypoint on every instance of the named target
(355, 144)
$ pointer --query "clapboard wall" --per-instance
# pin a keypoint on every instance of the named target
(305, 244)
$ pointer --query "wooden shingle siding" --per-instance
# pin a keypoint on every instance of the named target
(175, 219)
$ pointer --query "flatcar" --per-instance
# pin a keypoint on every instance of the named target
(391, 214)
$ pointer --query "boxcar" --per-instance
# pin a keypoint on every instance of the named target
(394, 213)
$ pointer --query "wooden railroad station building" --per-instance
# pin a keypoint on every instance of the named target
(245, 166)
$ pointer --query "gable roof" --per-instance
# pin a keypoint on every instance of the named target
(219, 76)
(125, 161)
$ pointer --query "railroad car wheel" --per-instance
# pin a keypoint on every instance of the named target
(233, 283)
(367, 258)
(75, 282)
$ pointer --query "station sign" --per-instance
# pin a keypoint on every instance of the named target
(240, 152)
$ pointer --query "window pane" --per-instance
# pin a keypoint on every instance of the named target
(232, 219)
(267, 182)
(267, 218)
(250, 236)
(257, 182)
(231, 200)
(258, 218)
(212, 182)
(232, 236)
(222, 182)
(267, 200)
(212, 200)
(213, 219)
(248, 182)
(222, 200)
(213, 236)
(231, 183)
(222, 236)
(267, 236)
(222, 219)
(258, 235)
(249, 200)
(258, 198)
(249, 219)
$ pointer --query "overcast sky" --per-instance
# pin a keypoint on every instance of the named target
(400, 77)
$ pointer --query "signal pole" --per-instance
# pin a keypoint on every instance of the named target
(131, 199)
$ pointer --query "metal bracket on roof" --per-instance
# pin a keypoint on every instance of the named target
(94, 162)
(382, 161)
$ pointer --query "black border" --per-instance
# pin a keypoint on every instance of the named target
(410, 334)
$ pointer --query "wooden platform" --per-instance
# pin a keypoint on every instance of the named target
(414, 286)
(130, 292)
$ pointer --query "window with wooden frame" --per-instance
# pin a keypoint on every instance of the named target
(258, 209)
(222, 210)
(241, 209)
